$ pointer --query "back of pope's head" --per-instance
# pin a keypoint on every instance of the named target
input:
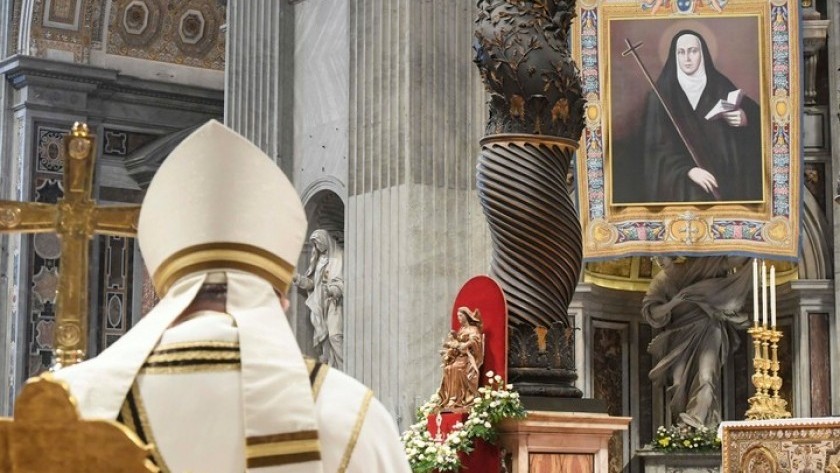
(219, 202)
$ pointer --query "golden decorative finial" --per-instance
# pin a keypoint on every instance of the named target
(80, 130)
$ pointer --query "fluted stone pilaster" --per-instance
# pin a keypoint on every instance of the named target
(415, 231)
(259, 75)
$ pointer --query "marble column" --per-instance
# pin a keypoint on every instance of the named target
(415, 230)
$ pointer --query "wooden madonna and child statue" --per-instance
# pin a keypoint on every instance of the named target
(463, 356)
(474, 356)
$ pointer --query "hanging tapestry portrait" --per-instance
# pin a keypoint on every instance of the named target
(691, 143)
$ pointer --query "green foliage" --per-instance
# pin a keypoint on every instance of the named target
(495, 401)
(683, 438)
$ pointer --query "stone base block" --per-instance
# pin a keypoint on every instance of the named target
(668, 462)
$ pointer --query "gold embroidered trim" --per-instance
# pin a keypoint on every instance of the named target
(354, 437)
(182, 369)
(274, 438)
(192, 356)
(282, 449)
(241, 256)
(198, 345)
(147, 429)
(278, 460)
(319, 381)
(286, 447)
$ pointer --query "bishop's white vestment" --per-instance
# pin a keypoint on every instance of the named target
(184, 389)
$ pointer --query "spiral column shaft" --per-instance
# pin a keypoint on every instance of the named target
(536, 253)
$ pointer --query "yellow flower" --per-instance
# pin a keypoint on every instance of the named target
(687, 443)
(665, 441)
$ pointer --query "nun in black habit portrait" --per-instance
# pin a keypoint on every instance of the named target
(727, 146)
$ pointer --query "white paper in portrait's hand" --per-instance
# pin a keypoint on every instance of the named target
(732, 102)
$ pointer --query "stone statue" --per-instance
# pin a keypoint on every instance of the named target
(463, 355)
(324, 285)
(696, 303)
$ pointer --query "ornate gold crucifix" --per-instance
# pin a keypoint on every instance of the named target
(75, 218)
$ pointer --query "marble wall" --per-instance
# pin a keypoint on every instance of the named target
(321, 98)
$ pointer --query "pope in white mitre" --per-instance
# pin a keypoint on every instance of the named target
(213, 376)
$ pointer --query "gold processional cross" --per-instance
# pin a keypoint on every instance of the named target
(75, 218)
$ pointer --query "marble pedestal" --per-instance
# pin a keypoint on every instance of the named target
(559, 441)
(662, 462)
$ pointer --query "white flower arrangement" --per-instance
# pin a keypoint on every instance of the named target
(495, 401)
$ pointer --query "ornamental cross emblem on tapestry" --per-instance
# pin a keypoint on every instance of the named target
(75, 218)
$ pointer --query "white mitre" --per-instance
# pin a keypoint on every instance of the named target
(218, 203)
(253, 219)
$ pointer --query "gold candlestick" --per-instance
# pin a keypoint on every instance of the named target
(779, 405)
(766, 375)
(759, 402)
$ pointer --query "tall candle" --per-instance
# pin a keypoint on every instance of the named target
(763, 293)
(755, 291)
(773, 296)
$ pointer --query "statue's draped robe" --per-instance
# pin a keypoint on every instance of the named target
(325, 311)
(704, 325)
(187, 399)
(731, 154)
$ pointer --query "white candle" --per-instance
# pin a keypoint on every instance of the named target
(763, 293)
(755, 291)
(773, 296)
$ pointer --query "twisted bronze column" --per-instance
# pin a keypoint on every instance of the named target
(536, 117)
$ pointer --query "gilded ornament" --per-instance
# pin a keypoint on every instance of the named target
(759, 460)
(68, 334)
(602, 233)
(688, 228)
(560, 111)
(79, 148)
(777, 231)
(46, 416)
(80, 130)
(10, 217)
(780, 105)
(593, 112)
(763, 404)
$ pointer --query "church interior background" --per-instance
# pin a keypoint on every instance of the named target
(375, 110)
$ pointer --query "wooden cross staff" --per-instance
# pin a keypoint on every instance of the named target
(75, 218)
